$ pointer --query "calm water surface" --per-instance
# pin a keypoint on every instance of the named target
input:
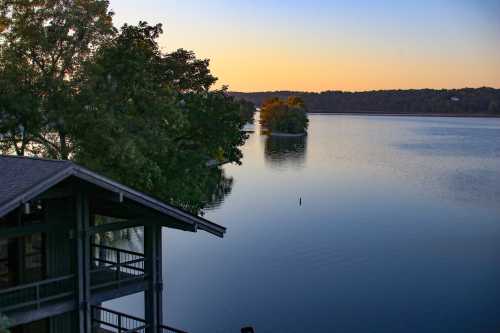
(398, 230)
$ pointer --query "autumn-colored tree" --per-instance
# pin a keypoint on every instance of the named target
(287, 116)
(296, 101)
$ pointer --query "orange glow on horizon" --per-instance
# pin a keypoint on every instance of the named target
(332, 45)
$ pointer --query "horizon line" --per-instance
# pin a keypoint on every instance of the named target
(357, 91)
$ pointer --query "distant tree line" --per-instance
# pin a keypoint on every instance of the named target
(465, 101)
(72, 86)
(284, 115)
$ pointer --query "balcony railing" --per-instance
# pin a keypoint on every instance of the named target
(112, 267)
(168, 329)
(105, 321)
(35, 295)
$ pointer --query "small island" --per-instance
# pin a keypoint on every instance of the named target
(284, 117)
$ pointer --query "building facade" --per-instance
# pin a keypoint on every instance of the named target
(55, 269)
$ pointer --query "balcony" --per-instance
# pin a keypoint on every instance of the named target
(116, 272)
(113, 272)
(36, 295)
(108, 321)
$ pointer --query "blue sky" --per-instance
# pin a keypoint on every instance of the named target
(320, 45)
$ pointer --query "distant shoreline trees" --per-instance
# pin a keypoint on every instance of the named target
(284, 116)
(467, 101)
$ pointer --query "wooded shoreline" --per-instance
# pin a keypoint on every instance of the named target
(466, 102)
(377, 113)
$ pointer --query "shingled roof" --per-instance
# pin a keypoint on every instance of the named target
(23, 179)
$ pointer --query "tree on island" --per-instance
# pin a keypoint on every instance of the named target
(284, 116)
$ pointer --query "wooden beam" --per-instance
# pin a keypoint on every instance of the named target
(115, 226)
(153, 294)
(25, 230)
(116, 197)
(83, 263)
(159, 278)
(104, 295)
(27, 208)
(49, 310)
(58, 192)
(145, 221)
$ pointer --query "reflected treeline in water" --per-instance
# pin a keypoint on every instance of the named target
(199, 189)
(219, 187)
(285, 150)
(216, 186)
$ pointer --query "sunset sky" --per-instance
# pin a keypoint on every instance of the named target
(319, 45)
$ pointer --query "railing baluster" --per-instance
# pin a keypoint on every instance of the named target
(123, 323)
(128, 266)
(37, 292)
(118, 267)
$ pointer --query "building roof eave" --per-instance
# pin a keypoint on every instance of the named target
(191, 221)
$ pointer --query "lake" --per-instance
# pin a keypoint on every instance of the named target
(369, 224)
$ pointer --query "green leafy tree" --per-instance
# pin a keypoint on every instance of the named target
(74, 87)
(247, 110)
(50, 39)
(214, 126)
(138, 129)
(19, 106)
(131, 119)
(186, 73)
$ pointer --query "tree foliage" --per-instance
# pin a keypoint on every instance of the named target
(286, 116)
(45, 42)
(186, 73)
(113, 101)
(247, 110)
(140, 127)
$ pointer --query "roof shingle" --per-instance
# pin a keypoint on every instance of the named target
(24, 178)
(19, 174)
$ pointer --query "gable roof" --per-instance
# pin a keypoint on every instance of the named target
(24, 178)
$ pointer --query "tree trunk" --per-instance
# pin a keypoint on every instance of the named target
(63, 149)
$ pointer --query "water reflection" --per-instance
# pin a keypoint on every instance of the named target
(200, 189)
(454, 141)
(389, 238)
(285, 151)
(220, 187)
(474, 185)
(215, 187)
